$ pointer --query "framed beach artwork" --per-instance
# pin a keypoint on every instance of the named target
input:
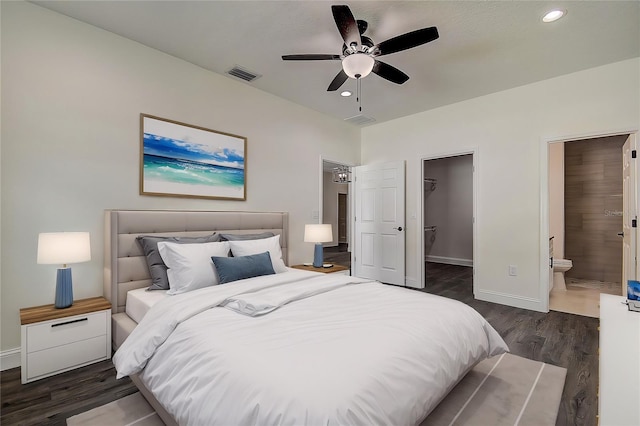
(182, 160)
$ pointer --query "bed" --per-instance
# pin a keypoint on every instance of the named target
(294, 347)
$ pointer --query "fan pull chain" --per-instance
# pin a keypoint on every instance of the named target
(358, 94)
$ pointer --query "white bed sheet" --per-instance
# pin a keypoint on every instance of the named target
(139, 301)
(357, 352)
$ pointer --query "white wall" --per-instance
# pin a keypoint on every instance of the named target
(508, 130)
(556, 198)
(71, 99)
(450, 208)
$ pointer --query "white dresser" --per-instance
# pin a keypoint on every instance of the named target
(619, 392)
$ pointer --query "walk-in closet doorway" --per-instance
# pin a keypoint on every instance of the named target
(447, 217)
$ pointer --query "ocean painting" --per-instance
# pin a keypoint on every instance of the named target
(183, 160)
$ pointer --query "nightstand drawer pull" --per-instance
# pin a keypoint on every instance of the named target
(69, 322)
(50, 334)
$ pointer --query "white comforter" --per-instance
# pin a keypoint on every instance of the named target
(304, 348)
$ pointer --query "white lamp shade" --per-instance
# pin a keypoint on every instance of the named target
(358, 64)
(318, 233)
(63, 247)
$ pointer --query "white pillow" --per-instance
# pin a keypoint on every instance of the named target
(249, 247)
(190, 265)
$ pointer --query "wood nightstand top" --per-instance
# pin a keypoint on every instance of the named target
(50, 312)
(334, 268)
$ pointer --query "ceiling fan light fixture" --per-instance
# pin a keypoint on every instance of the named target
(345, 94)
(553, 15)
(358, 65)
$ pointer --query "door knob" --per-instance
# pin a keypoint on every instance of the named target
(620, 234)
(399, 228)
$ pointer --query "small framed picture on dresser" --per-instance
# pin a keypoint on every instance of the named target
(183, 160)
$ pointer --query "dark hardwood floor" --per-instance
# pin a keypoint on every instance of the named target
(52, 400)
(338, 255)
(566, 340)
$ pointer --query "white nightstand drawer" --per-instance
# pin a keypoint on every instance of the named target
(60, 358)
(63, 331)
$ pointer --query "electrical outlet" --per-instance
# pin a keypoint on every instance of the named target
(513, 270)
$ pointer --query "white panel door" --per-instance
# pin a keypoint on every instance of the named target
(379, 248)
(629, 212)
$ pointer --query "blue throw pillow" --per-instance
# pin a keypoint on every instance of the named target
(238, 268)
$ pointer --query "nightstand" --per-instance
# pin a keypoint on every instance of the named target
(58, 340)
(335, 269)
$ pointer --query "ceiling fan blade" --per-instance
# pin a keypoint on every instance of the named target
(406, 41)
(309, 57)
(347, 25)
(338, 81)
(390, 73)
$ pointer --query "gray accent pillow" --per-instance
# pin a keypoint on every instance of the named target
(244, 237)
(238, 268)
(157, 268)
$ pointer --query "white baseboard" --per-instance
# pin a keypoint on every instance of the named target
(510, 300)
(449, 260)
(9, 359)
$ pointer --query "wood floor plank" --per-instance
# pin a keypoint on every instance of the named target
(51, 400)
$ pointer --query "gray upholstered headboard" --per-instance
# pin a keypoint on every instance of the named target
(125, 266)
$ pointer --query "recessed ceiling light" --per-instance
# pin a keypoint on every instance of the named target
(345, 93)
(554, 15)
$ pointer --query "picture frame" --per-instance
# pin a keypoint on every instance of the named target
(183, 160)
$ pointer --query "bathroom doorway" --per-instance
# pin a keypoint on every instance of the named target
(585, 222)
(448, 210)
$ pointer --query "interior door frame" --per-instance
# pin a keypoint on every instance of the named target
(544, 203)
(474, 152)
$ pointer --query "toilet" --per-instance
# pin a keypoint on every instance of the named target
(560, 266)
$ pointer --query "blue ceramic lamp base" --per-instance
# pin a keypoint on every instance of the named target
(318, 257)
(64, 289)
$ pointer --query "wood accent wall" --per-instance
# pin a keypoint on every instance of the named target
(593, 208)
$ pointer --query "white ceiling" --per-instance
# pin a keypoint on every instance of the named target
(484, 46)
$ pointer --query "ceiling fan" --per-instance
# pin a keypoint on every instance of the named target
(359, 53)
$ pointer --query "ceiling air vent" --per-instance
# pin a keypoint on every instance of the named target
(243, 73)
(360, 120)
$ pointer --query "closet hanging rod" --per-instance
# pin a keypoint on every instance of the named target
(431, 181)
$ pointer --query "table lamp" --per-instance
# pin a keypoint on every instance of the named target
(62, 248)
(318, 233)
